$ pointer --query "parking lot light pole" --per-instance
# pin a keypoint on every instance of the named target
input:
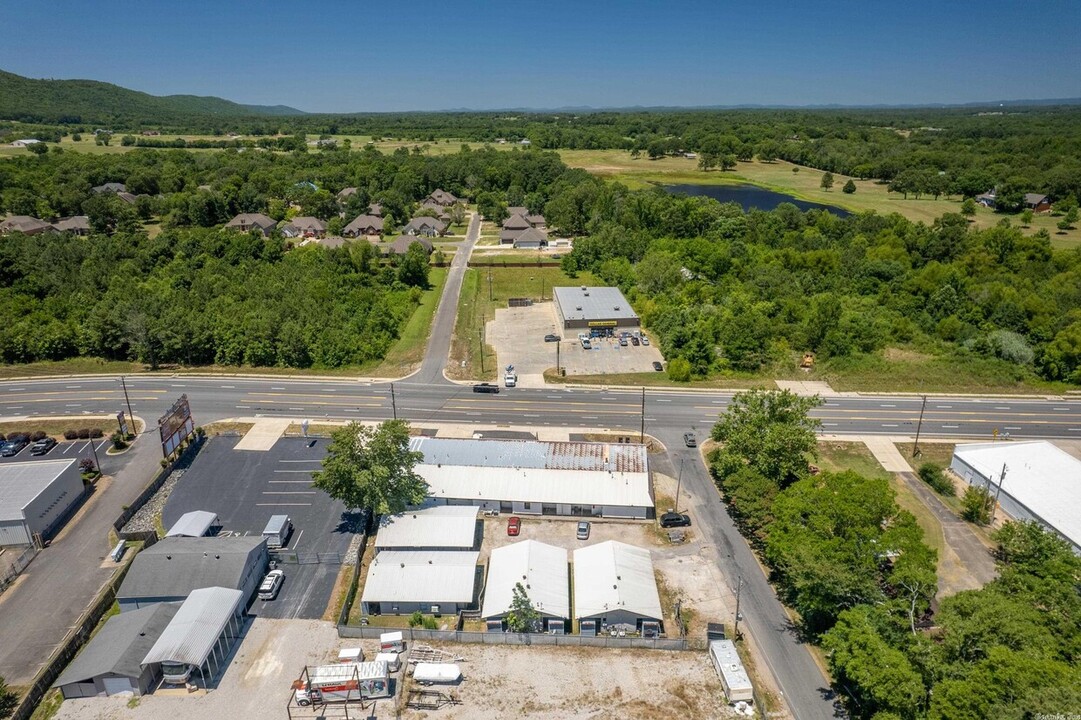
(95, 449)
(679, 483)
(558, 343)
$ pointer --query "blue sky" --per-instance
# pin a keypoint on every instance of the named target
(342, 56)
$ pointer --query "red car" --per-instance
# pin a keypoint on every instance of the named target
(514, 526)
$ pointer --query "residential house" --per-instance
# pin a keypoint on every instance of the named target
(76, 225)
(1037, 202)
(25, 142)
(376, 209)
(113, 187)
(425, 226)
(441, 198)
(127, 197)
(346, 193)
(246, 222)
(364, 225)
(436, 211)
(25, 224)
(519, 223)
(304, 226)
(531, 238)
(401, 244)
(987, 199)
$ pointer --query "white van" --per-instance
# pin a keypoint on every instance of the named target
(277, 531)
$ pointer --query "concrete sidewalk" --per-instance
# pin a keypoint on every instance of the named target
(885, 451)
(263, 434)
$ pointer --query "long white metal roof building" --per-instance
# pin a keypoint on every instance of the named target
(1042, 482)
(540, 568)
(35, 497)
(449, 527)
(421, 577)
(611, 576)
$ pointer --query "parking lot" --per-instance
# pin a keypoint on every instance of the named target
(64, 450)
(517, 335)
(244, 488)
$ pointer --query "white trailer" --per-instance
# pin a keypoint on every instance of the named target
(734, 679)
(392, 642)
(342, 683)
(431, 673)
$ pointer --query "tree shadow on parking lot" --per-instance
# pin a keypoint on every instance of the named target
(352, 521)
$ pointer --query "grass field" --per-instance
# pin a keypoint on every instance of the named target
(475, 307)
(408, 352)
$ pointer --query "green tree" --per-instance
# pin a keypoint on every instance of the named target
(372, 468)
(523, 617)
(413, 268)
(1026, 217)
(976, 505)
(728, 161)
(769, 431)
(38, 148)
(849, 188)
(679, 370)
(457, 214)
(827, 181)
(8, 700)
(968, 207)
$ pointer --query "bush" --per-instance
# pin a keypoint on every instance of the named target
(84, 434)
(416, 619)
(37, 435)
(119, 443)
(976, 505)
(933, 475)
(70, 434)
(87, 465)
(430, 623)
(97, 432)
(679, 370)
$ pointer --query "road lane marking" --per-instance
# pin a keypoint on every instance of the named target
(276, 388)
(243, 407)
(887, 406)
(296, 408)
(72, 387)
(663, 400)
(949, 427)
(889, 425)
(281, 504)
(830, 424)
(1060, 408)
(177, 385)
(15, 389)
(74, 405)
(15, 407)
(529, 415)
(1002, 407)
(228, 387)
(1012, 427)
(944, 407)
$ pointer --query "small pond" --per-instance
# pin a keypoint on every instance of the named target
(752, 196)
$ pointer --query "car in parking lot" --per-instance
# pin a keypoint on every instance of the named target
(514, 525)
(583, 531)
(42, 446)
(645, 340)
(272, 583)
(657, 365)
(673, 519)
(12, 448)
(635, 340)
(689, 440)
(552, 337)
(623, 341)
(485, 388)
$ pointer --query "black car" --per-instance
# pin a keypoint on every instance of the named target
(674, 519)
(552, 338)
(486, 388)
(635, 340)
(13, 447)
(657, 366)
(689, 440)
(41, 447)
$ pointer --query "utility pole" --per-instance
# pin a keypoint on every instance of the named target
(642, 432)
(916, 445)
(739, 616)
(131, 415)
(998, 491)
(393, 403)
(482, 321)
(558, 343)
(679, 484)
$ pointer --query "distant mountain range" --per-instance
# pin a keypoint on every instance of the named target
(90, 101)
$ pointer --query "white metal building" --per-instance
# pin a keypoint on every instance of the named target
(593, 307)
(193, 524)
(442, 527)
(543, 572)
(615, 587)
(35, 498)
(734, 679)
(200, 634)
(403, 582)
(531, 477)
(1042, 482)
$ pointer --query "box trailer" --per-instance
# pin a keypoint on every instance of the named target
(277, 531)
(392, 642)
(734, 679)
(431, 673)
(342, 683)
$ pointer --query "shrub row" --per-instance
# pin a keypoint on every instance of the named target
(933, 475)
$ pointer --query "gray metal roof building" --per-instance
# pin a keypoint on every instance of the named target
(533, 454)
(35, 498)
(201, 632)
(193, 524)
(112, 662)
(172, 568)
(593, 307)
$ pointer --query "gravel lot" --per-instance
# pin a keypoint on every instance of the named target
(596, 683)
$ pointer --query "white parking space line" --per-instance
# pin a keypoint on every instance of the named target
(103, 444)
(950, 427)
(944, 407)
(296, 542)
(68, 448)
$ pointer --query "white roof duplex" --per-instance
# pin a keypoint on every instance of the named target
(417, 576)
(615, 576)
(542, 571)
(442, 526)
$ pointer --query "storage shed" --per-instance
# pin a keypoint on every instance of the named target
(442, 527)
(1041, 482)
(593, 307)
(172, 568)
(403, 582)
(194, 524)
(35, 498)
(544, 574)
(614, 586)
(538, 478)
(111, 663)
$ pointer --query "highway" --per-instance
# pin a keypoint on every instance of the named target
(668, 413)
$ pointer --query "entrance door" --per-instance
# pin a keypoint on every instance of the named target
(117, 685)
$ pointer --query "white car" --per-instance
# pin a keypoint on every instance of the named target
(271, 584)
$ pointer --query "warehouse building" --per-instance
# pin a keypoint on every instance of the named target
(543, 572)
(404, 582)
(1041, 482)
(531, 477)
(198, 639)
(582, 308)
(172, 568)
(442, 527)
(615, 590)
(112, 662)
(35, 498)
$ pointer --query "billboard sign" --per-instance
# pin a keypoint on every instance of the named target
(122, 423)
(175, 426)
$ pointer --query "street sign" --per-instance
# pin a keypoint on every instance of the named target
(122, 422)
